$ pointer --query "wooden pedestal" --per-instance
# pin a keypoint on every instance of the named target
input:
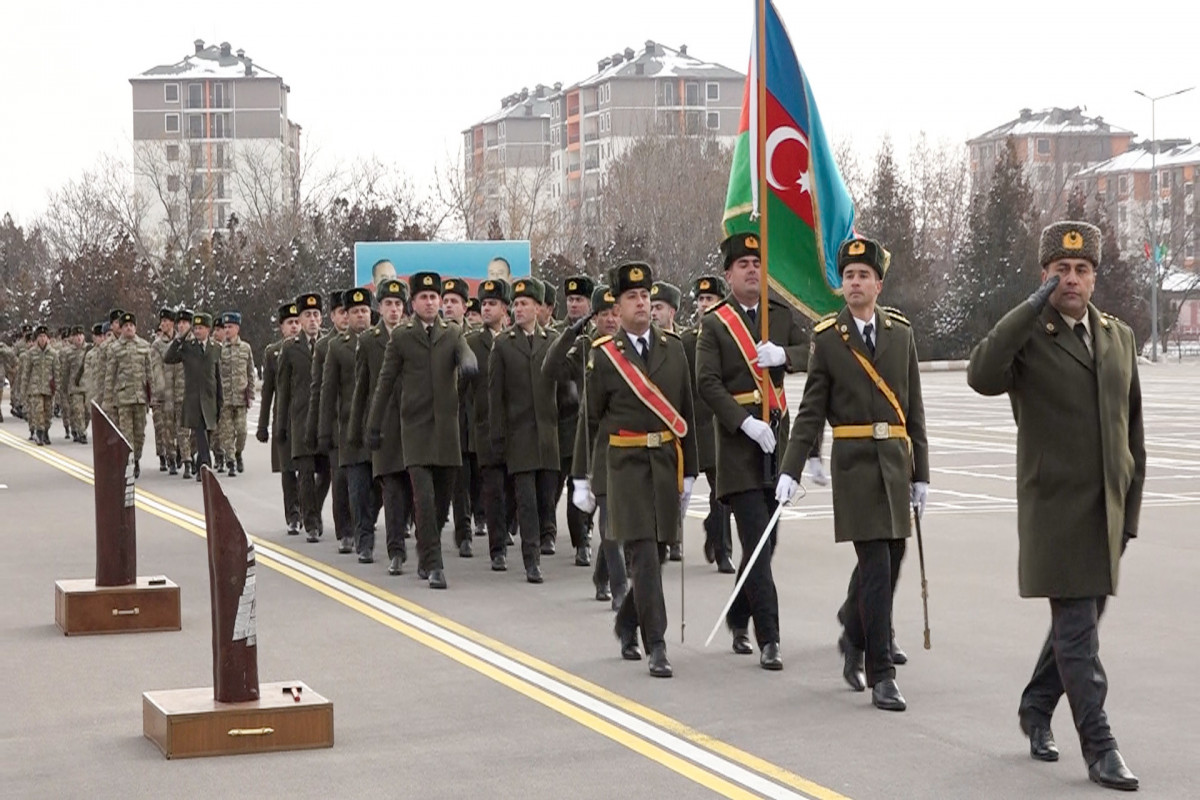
(80, 606)
(189, 722)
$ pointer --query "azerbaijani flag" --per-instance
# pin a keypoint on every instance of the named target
(809, 208)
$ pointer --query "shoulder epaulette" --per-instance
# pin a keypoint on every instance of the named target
(895, 314)
(716, 305)
(825, 322)
(376, 331)
(601, 340)
(672, 333)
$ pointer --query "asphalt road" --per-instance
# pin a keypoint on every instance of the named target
(496, 688)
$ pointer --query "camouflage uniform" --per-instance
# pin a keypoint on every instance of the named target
(76, 414)
(237, 391)
(8, 366)
(132, 380)
(39, 379)
(164, 412)
(15, 402)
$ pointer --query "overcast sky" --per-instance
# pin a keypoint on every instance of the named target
(401, 80)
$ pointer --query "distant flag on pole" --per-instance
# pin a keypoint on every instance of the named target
(810, 209)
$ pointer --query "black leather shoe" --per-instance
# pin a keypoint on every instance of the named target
(629, 648)
(162, 462)
(659, 666)
(603, 595)
(437, 579)
(347, 546)
(137, 468)
(533, 574)
(725, 566)
(464, 549)
(710, 552)
(674, 553)
(499, 564)
(293, 528)
(741, 642)
(886, 695)
(548, 547)
(171, 468)
(1110, 771)
(241, 466)
(394, 566)
(898, 655)
(366, 557)
(313, 536)
(853, 668)
(583, 556)
(422, 573)
(1041, 742)
(770, 658)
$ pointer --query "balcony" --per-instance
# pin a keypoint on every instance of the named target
(198, 104)
(591, 137)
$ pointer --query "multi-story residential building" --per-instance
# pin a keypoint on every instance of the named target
(1054, 145)
(212, 139)
(1162, 173)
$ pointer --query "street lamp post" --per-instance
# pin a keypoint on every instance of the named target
(1154, 200)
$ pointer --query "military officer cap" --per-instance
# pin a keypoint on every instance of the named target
(1070, 239)
(76, 330)
(424, 282)
(106, 327)
(219, 320)
(739, 245)
(166, 313)
(356, 297)
(232, 317)
(115, 314)
(579, 285)
(27, 328)
(184, 315)
(861, 250)
(201, 318)
(531, 288)
(337, 299)
(392, 287)
(128, 318)
(629, 276)
(41, 329)
(493, 289)
(474, 306)
(549, 293)
(98, 329)
(288, 311)
(602, 299)
(709, 284)
(456, 286)
(310, 301)
(666, 292)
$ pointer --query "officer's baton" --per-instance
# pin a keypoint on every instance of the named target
(737, 587)
(924, 583)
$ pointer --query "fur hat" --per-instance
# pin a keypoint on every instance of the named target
(632, 275)
(861, 250)
(1070, 239)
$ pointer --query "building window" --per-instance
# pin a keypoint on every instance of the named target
(1043, 146)
(197, 185)
(218, 95)
(1123, 185)
(195, 95)
(1123, 215)
(196, 126)
(1165, 179)
(170, 92)
(196, 154)
(713, 120)
(692, 93)
(172, 152)
(500, 130)
(1165, 209)
(171, 123)
(172, 183)
(691, 122)
(220, 187)
(668, 93)
(712, 91)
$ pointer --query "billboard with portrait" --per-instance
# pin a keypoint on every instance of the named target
(472, 261)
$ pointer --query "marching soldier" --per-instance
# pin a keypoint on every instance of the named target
(201, 360)
(133, 382)
(8, 367)
(733, 368)
(664, 305)
(639, 391)
(76, 395)
(425, 357)
(387, 461)
(864, 378)
(337, 396)
(39, 379)
(61, 344)
(21, 344)
(329, 475)
(707, 291)
(215, 441)
(454, 309)
(269, 416)
(523, 421)
(545, 310)
(474, 313)
(1071, 374)
(164, 412)
(237, 390)
(114, 333)
(91, 361)
(23, 358)
(294, 384)
(185, 440)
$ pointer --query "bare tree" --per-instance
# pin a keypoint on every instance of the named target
(76, 218)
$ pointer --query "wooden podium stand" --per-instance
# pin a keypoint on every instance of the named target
(117, 600)
(238, 714)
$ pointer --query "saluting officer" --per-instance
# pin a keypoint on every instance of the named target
(864, 378)
(1071, 374)
(269, 418)
(640, 392)
(294, 384)
(707, 291)
(426, 357)
(387, 461)
(201, 360)
(730, 365)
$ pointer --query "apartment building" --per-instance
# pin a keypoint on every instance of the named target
(212, 138)
(1054, 145)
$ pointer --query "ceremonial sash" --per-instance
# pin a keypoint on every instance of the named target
(645, 390)
(895, 432)
(736, 326)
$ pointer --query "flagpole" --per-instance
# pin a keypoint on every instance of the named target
(763, 188)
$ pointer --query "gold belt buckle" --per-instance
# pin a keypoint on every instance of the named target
(654, 439)
(880, 430)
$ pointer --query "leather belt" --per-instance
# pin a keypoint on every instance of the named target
(651, 441)
(878, 431)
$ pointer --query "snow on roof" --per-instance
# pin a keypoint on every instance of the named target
(1139, 159)
(659, 61)
(1179, 281)
(214, 61)
(1053, 122)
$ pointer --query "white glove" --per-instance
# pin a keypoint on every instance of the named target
(760, 432)
(785, 488)
(581, 495)
(771, 355)
(816, 471)
(686, 495)
(918, 493)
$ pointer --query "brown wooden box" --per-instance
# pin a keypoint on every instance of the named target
(189, 722)
(80, 606)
